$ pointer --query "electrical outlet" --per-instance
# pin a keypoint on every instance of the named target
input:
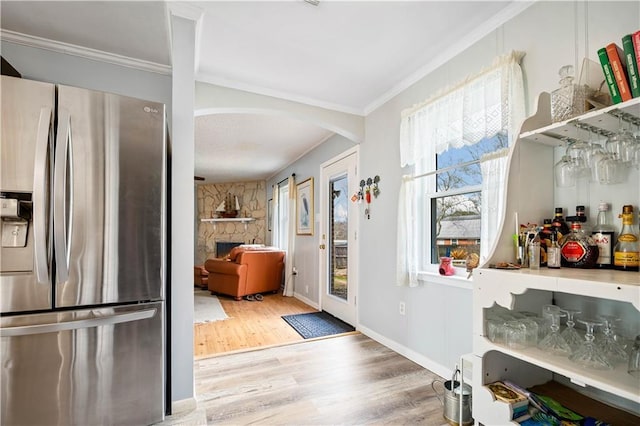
(402, 308)
(306, 289)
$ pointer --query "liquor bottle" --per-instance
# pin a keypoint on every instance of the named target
(553, 253)
(582, 218)
(626, 254)
(545, 236)
(602, 234)
(559, 224)
(578, 249)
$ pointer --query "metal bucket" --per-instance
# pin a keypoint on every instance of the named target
(451, 401)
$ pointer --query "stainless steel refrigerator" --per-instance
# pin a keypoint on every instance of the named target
(82, 262)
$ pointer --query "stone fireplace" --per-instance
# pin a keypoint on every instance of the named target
(224, 247)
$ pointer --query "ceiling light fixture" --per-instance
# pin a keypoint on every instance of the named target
(313, 2)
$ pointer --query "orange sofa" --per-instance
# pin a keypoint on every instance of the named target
(247, 270)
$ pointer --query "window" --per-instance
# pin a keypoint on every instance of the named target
(454, 146)
(454, 208)
(281, 229)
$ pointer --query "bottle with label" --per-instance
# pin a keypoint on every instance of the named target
(553, 253)
(626, 254)
(559, 224)
(545, 237)
(602, 234)
(578, 250)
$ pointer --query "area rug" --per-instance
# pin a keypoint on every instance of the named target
(317, 324)
(206, 307)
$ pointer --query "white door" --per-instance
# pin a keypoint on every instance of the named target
(338, 233)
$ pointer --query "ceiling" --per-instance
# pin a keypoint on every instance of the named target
(346, 56)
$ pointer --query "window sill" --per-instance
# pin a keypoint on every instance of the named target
(458, 280)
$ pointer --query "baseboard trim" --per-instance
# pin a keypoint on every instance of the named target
(183, 406)
(306, 300)
(414, 356)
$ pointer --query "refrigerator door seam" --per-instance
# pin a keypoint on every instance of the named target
(59, 197)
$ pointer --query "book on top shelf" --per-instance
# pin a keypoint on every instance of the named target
(615, 54)
(635, 38)
(608, 75)
(632, 65)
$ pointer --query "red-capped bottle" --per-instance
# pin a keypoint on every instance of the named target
(578, 250)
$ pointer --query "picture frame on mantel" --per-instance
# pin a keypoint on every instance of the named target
(269, 214)
(304, 207)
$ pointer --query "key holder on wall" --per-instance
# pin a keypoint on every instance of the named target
(367, 187)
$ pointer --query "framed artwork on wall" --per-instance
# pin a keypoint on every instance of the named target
(269, 214)
(304, 207)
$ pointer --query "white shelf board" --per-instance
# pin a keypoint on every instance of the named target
(616, 381)
(552, 134)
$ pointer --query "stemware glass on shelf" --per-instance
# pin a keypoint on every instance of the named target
(588, 355)
(553, 342)
(570, 334)
(608, 345)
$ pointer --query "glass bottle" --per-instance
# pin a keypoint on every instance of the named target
(534, 252)
(582, 218)
(578, 249)
(568, 100)
(626, 254)
(602, 234)
(553, 253)
(559, 224)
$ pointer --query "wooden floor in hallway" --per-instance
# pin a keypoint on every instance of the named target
(250, 325)
(349, 379)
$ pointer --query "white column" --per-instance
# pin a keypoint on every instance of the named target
(183, 34)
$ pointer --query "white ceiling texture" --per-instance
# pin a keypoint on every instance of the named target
(349, 56)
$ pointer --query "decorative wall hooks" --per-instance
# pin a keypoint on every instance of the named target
(367, 187)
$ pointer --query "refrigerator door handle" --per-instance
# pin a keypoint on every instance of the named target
(63, 152)
(40, 207)
(77, 324)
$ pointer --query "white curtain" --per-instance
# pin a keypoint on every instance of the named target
(275, 225)
(407, 261)
(494, 171)
(479, 107)
(289, 283)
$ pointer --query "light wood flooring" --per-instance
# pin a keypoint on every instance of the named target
(250, 325)
(349, 379)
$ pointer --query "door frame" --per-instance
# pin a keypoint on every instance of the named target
(354, 229)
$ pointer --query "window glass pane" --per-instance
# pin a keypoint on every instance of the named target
(465, 175)
(339, 231)
(455, 226)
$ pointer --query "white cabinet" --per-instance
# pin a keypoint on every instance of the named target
(530, 193)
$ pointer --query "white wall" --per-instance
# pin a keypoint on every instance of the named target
(437, 326)
(306, 247)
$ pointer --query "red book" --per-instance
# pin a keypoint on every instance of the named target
(636, 45)
(615, 53)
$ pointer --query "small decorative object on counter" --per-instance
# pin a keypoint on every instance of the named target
(602, 234)
(578, 249)
(626, 254)
(446, 267)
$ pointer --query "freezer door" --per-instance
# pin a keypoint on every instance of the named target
(109, 182)
(25, 141)
(88, 367)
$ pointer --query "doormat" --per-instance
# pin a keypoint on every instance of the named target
(317, 324)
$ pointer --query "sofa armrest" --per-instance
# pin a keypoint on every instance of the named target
(224, 267)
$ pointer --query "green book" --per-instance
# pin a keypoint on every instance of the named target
(632, 65)
(608, 75)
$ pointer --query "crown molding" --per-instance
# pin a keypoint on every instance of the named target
(83, 52)
(232, 84)
(451, 51)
